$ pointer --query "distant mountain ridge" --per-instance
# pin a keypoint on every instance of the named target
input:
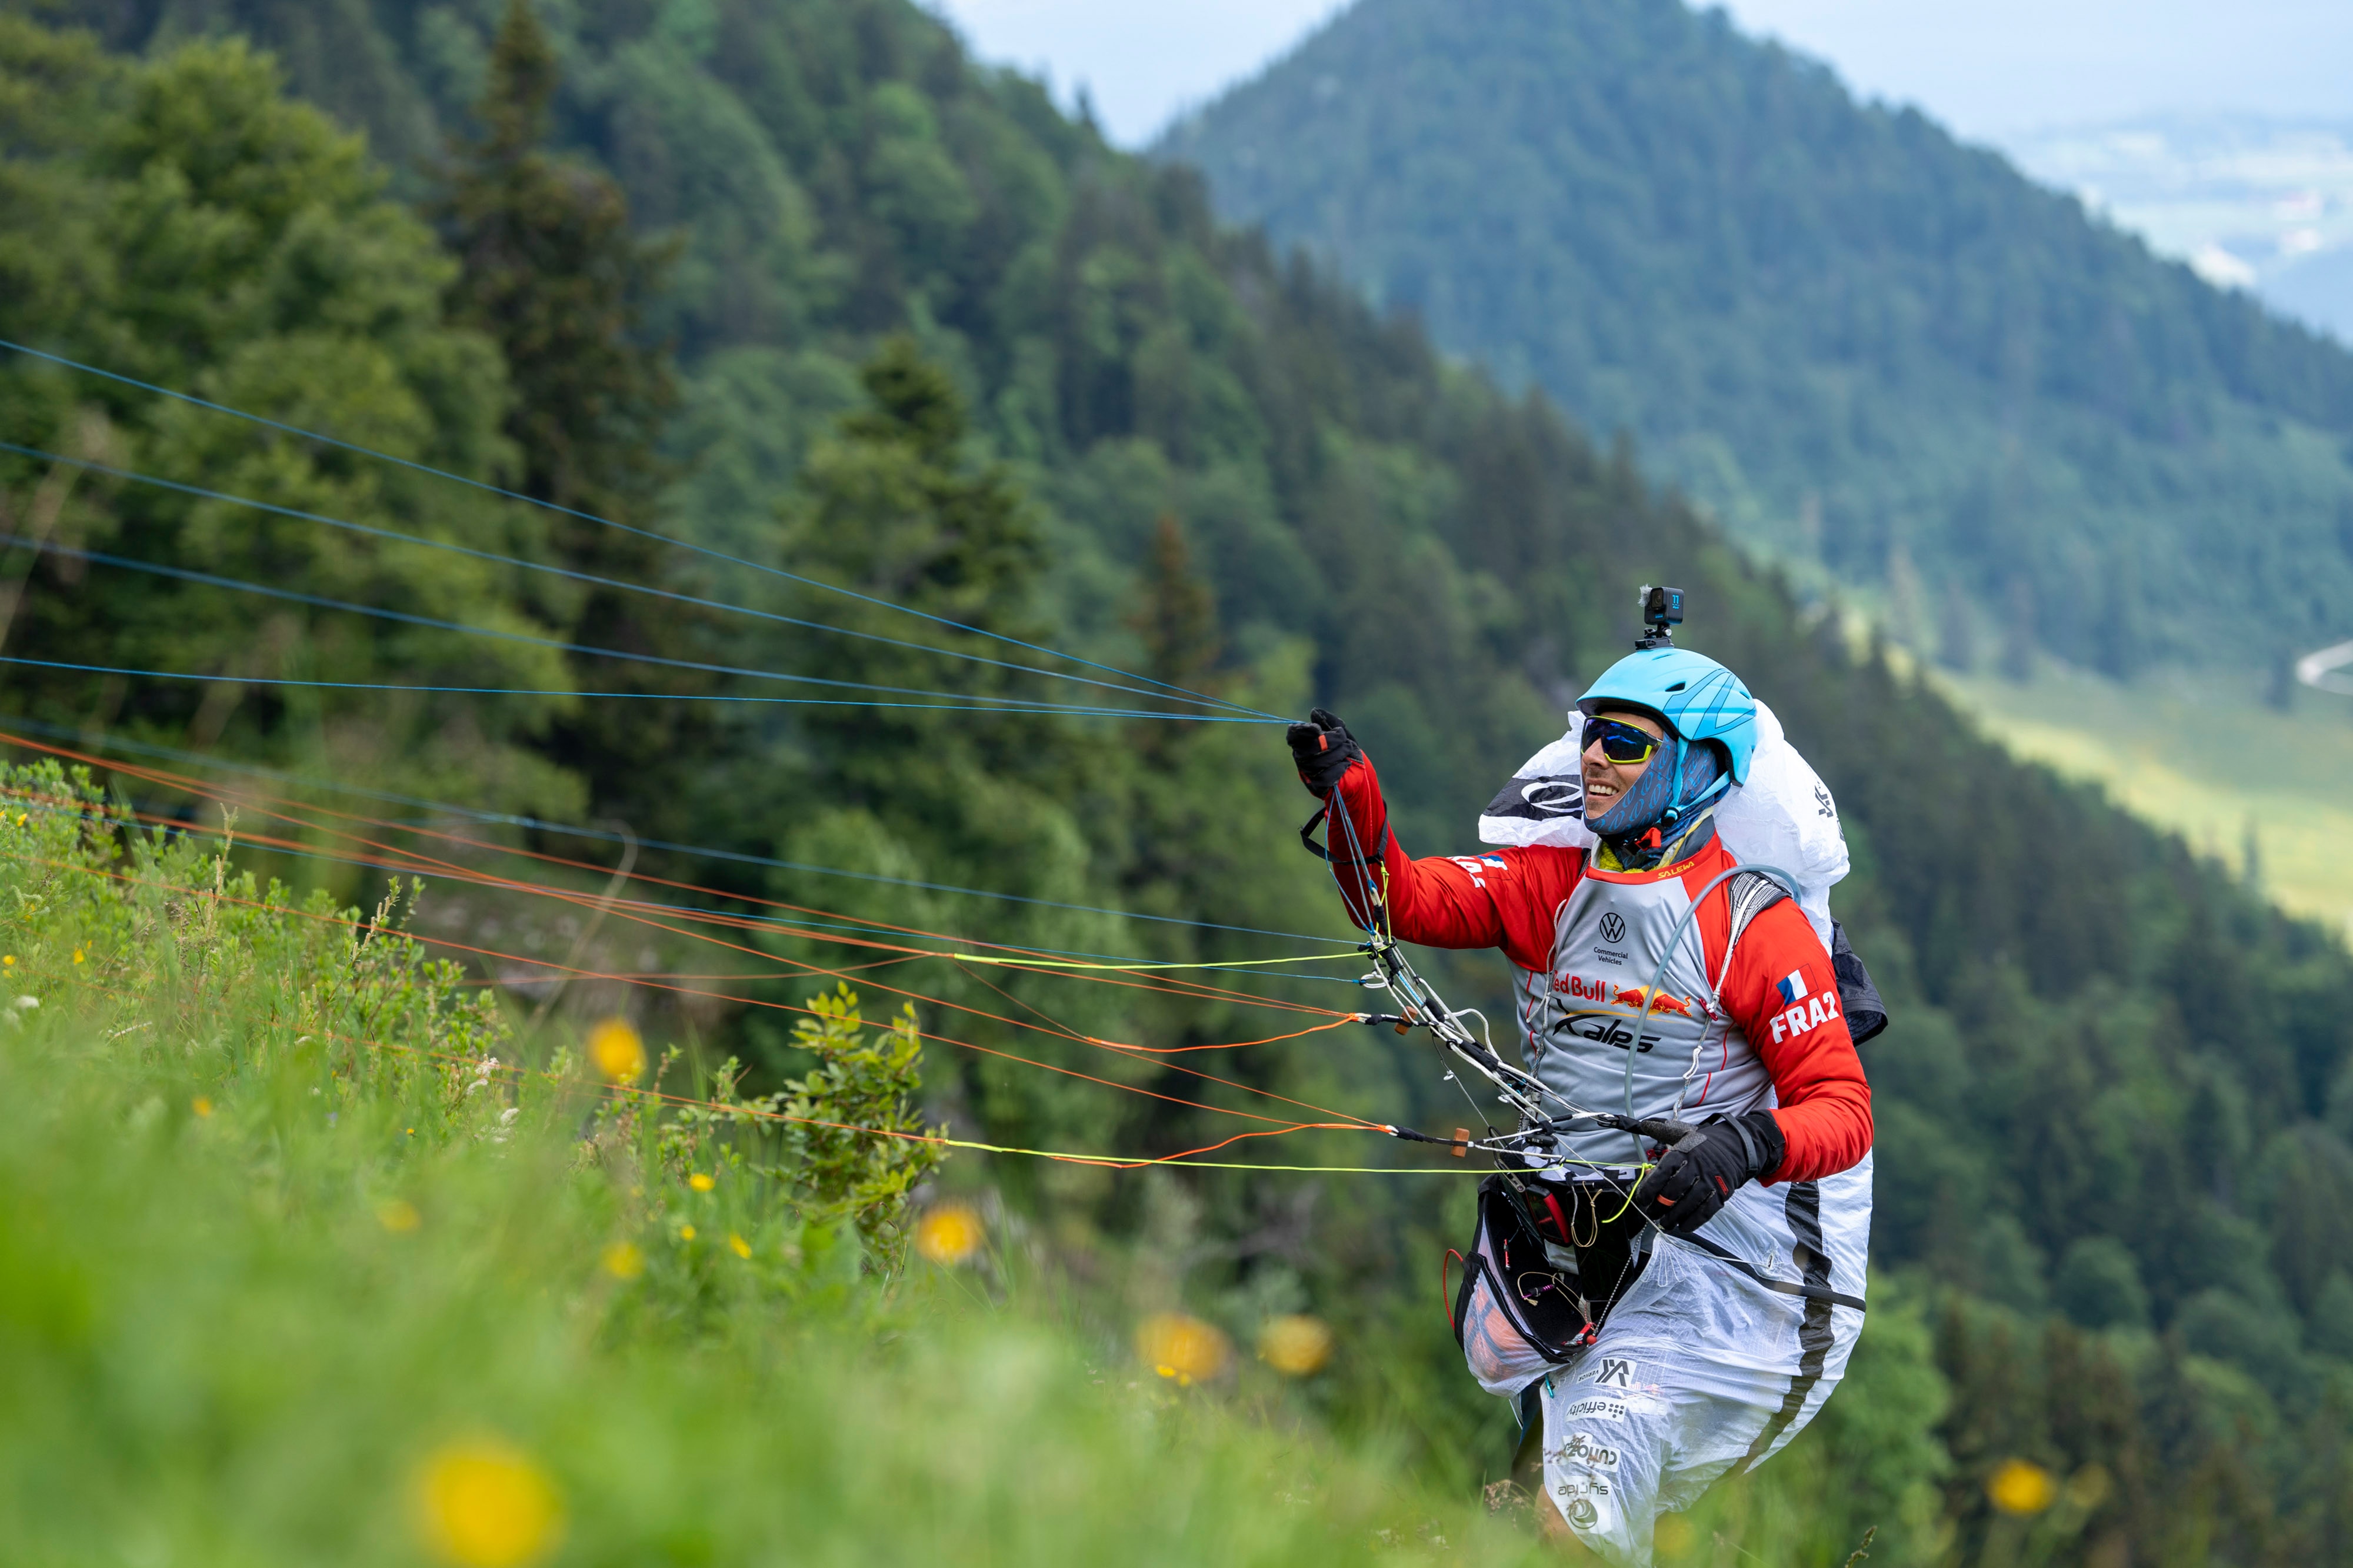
(2249, 201)
(1884, 357)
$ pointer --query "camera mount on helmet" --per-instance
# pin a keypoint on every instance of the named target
(1662, 611)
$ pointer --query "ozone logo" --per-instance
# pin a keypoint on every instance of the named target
(1613, 928)
(1553, 797)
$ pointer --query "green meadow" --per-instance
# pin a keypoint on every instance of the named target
(2202, 758)
(309, 1254)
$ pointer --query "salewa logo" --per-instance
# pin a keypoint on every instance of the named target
(1615, 1374)
(1822, 799)
(1801, 1012)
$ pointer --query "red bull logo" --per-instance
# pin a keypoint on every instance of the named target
(1632, 997)
(1659, 1000)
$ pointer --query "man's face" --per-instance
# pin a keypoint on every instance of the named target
(1605, 781)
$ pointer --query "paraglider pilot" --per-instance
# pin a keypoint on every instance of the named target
(1659, 1316)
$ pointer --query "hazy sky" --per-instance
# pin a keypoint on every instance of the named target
(1984, 66)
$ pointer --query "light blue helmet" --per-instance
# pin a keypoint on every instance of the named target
(1696, 697)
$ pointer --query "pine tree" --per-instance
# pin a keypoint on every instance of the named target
(553, 273)
(890, 508)
(1178, 617)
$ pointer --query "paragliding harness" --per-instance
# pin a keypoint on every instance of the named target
(1554, 1268)
(1548, 1258)
(1554, 1256)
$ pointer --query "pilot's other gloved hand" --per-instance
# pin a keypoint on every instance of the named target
(1696, 1177)
(1322, 749)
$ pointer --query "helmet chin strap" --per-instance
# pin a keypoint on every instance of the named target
(1674, 812)
(1676, 808)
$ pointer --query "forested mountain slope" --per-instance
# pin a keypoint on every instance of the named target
(2115, 1106)
(1873, 351)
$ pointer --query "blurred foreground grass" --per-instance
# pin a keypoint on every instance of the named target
(297, 1266)
(293, 1270)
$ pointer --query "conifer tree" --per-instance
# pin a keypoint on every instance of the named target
(1179, 616)
(553, 274)
(892, 510)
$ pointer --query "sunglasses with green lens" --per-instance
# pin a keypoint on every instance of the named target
(1620, 743)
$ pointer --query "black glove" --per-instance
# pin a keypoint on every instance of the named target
(1694, 1178)
(1322, 749)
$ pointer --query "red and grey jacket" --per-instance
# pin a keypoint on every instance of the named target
(1742, 1019)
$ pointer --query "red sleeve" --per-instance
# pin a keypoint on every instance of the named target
(1797, 1029)
(1497, 897)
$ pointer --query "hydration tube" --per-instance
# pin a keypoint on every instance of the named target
(1667, 954)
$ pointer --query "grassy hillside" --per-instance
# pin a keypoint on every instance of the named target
(1878, 356)
(941, 347)
(2195, 757)
(309, 1257)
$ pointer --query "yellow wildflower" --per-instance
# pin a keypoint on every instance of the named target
(950, 1233)
(398, 1216)
(1297, 1346)
(686, 1233)
(480, 1504)
(743, 1247)
(701, 1183)
(618, 1049)
(200, 1106)
(624, 1261)
(1182, 1347)
(2021, 1488)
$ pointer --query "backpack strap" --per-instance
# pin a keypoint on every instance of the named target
(1752, 893)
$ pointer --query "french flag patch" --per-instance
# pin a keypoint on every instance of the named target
(1800, 1014)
